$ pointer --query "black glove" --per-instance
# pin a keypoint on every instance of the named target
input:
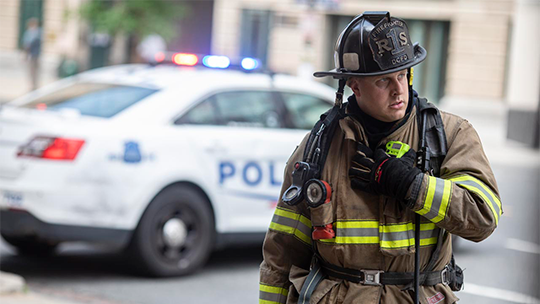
(381, 173)
(361, 166)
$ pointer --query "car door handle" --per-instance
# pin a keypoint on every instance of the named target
(215, 149)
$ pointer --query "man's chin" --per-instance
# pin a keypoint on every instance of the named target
(395, 116)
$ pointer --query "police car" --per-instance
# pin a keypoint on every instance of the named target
(167, 161)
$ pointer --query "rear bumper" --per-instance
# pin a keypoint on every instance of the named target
(73, 203)
(17, 223)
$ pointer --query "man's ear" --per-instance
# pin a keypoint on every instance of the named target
(353, 84)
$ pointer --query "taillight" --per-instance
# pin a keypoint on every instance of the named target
(51, 148)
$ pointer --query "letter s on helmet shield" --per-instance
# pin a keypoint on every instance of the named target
(373, 44)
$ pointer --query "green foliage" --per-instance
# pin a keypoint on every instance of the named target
(139, 17)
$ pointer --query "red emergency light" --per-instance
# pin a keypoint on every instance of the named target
(185, 59)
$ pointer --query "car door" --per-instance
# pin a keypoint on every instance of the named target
(244, 144)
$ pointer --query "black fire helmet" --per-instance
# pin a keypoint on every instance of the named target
(374, 44)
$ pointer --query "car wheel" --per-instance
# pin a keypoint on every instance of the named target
(31, 245)
(175, 234)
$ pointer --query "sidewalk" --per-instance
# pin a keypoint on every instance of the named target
(490, 118)
(13, 290)
(14, 77)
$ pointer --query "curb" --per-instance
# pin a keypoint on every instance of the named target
(11, 283)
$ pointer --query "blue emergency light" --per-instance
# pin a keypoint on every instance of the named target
(209, 61)
(250, 63)
(213, 61)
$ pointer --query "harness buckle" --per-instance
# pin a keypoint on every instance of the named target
(445, 279)
(372, 277)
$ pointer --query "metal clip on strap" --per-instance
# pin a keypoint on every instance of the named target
(444, 276)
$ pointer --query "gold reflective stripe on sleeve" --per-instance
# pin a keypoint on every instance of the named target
(272, 295)
(438, 194)
(290, 222)
(476, 186)
(391, 236)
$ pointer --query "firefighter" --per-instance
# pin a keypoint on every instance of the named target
(348, 236)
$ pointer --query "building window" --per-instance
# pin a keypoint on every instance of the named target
(255, 30)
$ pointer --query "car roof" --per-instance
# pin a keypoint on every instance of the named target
(170, 76)
(172, 82)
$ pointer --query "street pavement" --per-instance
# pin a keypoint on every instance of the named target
(503, 269)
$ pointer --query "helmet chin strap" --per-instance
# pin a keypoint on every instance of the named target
(339, 93)
(410, 74)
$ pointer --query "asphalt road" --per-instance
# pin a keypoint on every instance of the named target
(96, 275)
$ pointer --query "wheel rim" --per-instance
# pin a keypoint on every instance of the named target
(174, 233)
(178, 235)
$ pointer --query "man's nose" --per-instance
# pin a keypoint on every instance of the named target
(398, 87)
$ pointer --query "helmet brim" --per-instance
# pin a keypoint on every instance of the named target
(419, 55)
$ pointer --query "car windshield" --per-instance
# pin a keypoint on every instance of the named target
(92, 99)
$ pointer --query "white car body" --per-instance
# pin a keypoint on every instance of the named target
(238, 167)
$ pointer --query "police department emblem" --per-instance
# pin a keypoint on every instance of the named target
(132, 153)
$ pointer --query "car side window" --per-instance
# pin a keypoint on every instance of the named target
(202, 114)
(304, 110)
(248, 108)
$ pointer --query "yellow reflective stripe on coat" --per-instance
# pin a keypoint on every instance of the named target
(396, 236)
(437, 200)
(391, 236)
(272, 295)
(476, 186)
(290, 222)
(355, 232)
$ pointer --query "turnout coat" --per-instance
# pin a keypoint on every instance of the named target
(377, 232)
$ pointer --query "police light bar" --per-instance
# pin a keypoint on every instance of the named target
(209, 61)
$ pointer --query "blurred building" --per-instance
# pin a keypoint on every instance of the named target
(523, 95)
(478, 49)
(66, 36)
(475, 47)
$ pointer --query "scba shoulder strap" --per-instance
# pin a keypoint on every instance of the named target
(435, 136)
(437, 147)
(320, 138)
(315, 153)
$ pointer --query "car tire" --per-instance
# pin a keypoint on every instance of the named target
(31, 246)
(175, 234)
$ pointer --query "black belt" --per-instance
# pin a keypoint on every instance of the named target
(379, 277)
(451, 275)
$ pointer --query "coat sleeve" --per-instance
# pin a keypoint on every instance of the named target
(465, 199)
(287, 242)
